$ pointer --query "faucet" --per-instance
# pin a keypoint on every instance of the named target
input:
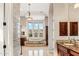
(74, 43)
(70, 40)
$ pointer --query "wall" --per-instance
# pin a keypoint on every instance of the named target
(64, 12)
(16, 29)
(1, 29)
(8, 29)
(12, 39)
(50, 27)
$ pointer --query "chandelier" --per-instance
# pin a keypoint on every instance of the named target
(29, 13)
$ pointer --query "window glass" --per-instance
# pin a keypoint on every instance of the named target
(30, 26)
(35, 29)
(30, 33)
(40, 26)
(36, 26)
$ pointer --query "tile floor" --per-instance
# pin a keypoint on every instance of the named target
(36, 51)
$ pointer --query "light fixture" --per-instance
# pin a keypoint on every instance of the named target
(29, 13)
(76, 5)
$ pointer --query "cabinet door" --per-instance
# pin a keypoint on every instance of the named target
(63, 29)
(73, 28)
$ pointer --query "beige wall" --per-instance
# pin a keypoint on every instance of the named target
(1, 29)
(16, 36)
(8, 29)
(60, 14)
(50, 27)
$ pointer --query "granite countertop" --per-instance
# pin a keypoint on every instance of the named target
(71, 47)
(74, 48)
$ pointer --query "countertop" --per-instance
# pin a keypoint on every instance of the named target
(71, 47)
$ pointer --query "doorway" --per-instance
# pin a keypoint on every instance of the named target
(33, 31)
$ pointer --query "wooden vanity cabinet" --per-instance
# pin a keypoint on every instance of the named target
(72, 53)
(62, 51)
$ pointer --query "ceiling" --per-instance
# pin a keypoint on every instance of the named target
(37, 9)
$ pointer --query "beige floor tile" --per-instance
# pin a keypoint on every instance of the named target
(36, 51)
